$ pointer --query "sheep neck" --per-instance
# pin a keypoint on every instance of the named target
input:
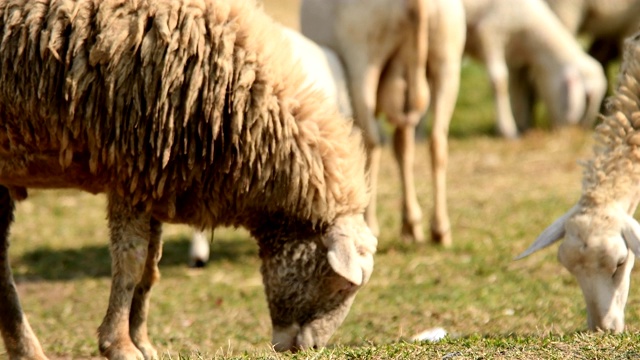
(613, 173)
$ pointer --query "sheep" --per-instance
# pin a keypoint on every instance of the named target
(323, 69)
(521, 40)
(389, 58)
(606, 22)
(366, 49)
(601, 238)
(324, 72)
(188, 112)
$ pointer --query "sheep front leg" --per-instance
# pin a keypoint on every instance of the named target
(130, 238)
(374, 152)
(404, 149)
(140, 303)
(499, 75)
(521, 98)
(364, 80)
(19, 339)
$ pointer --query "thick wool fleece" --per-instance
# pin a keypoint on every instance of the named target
(192, 108)
(614, 171)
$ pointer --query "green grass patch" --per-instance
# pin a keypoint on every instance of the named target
(502, 194)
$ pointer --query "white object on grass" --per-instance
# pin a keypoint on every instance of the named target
(433, 335)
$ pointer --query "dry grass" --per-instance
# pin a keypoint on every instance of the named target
(501, 195)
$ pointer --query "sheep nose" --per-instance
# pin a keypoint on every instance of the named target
(286, 338)
(614, 325)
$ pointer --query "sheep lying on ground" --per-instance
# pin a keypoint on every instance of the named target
(607, 22)
(324, 72)
(523, 40)
(601, 238)
(186, 112)
(387, 59)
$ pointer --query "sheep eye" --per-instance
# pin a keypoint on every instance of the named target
(619, 265)
(341, 285)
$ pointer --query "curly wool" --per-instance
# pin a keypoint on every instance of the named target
(192, 108)
(614, 170)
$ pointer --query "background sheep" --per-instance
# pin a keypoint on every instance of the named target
(184, 112)
(323, 72)
(523, 40)
(393, 44)
(606, 22)
(601, 238)
(387, 58)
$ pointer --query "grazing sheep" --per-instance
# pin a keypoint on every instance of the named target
(324, 72)
(601, 238)
(606, 22)
(185, 112)
(388, 58)
(522, 40)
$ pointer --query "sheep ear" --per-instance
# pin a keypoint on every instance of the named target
(631, 234)
(549, 236)
(350, 251)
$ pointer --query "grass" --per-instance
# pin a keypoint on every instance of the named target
(502, 194)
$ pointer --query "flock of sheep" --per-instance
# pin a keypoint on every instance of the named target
(208, 113)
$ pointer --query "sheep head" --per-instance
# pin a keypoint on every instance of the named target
(311, 282)
(599, 249)
(574, 92)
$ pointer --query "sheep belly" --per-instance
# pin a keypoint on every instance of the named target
(44, 170)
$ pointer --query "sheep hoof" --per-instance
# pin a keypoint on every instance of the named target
(442, 238)
(509, 134)
(197, 263)
(412, 233)
(123, 351)
(148, 351)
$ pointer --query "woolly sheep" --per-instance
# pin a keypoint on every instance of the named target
(185, 112)
(606, 22)
(601, 238)
(523, 40)
(324, 72)
(388, 59)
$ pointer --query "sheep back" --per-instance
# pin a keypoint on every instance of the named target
(192, 108)
(614, 170)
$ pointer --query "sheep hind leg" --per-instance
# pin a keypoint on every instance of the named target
(445, 83)
(140, 302)
(130, 234)
(374, 152)
(404, 149)
(19, 339)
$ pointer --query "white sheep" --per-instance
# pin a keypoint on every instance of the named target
(189, 112)
(522, 40)
(606, 22)
(323, 72)
(388, 59)
(601, 238)
(323, 69)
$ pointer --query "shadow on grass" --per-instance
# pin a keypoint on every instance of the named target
(409, 248)
(95, 261)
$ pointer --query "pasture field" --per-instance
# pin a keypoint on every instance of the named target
(502, 194)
